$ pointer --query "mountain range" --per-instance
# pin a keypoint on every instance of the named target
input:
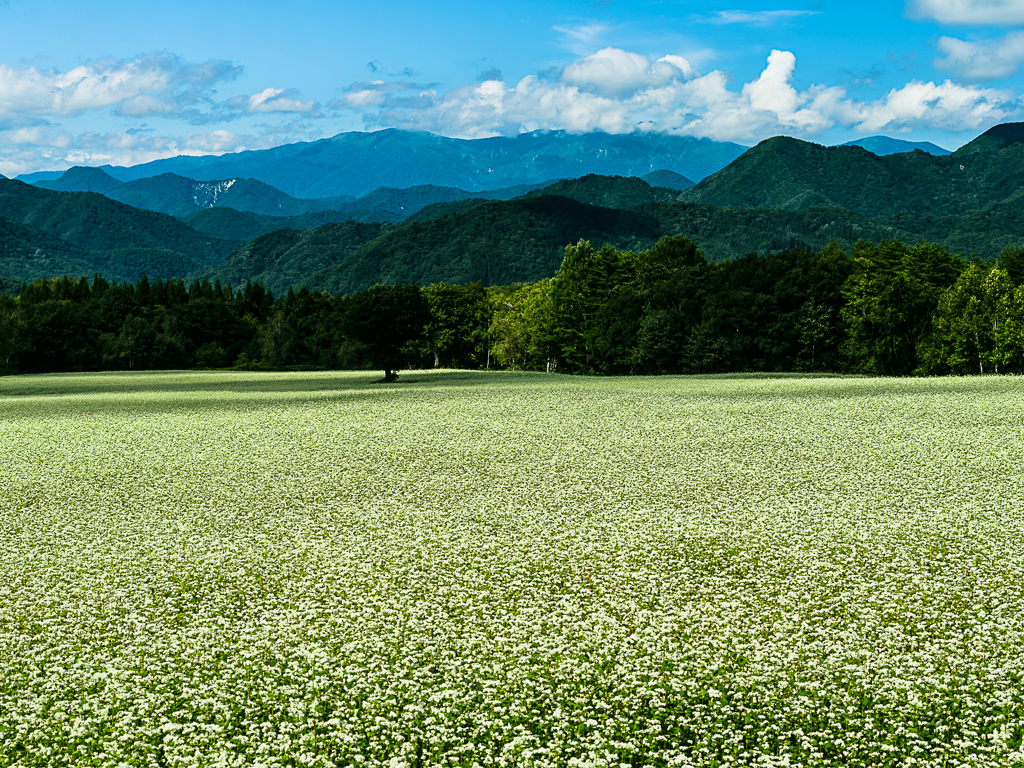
(355, 163)
(781, 193)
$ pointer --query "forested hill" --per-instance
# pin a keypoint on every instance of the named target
(782, 172)
(94, 222)
(523, 239)
(287, 257)
(667, 179)
(494, 243)
(92, 233)
(229, 224)
(608, 191)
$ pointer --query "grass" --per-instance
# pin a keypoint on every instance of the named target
(510, 569)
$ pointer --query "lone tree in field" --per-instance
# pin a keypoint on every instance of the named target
(384, 319)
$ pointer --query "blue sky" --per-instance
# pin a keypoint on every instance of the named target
(113, 81)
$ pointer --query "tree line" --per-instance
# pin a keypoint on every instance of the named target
(880, 308)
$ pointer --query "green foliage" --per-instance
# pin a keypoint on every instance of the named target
(519, 331)
(457, 331)
(386, 319)
(1012, 260)
(977, 325)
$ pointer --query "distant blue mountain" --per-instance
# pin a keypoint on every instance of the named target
(358, 163)
(883, 145)
(32, 178)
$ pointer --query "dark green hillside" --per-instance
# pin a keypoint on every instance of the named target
(668, 180)
(286, 257)
(995, 139)
(494, 243)
(229, 224)
(405, 202)
(523, 240)
(787, 173)
(440, 210)
(608, 191)
(26, 253)
(93, 222)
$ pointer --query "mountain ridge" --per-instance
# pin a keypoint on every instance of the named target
(356, 163)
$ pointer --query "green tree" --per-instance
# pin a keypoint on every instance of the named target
(1009, 333)
(13, 330)
(457, 331)
(1012, 260)
(135, 340)
(384, 319)
(887, 312)
(519, 329)
(970, 326)
(579, 289)
(277, 339)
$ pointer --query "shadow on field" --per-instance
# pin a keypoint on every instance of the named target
(149, 392)
(165, 391)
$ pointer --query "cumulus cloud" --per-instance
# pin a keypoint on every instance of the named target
(753, 18)
(982, 60)
(1000, 13)
(618, 91)
(944, 106)
(160, 84)
(618, 73)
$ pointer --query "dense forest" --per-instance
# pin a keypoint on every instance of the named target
(884, 308)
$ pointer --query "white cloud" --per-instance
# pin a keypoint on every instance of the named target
(981, 60)
(618, 91)
(160, 84)
(615, 72)
(754, 18)
(1000, 13)
(946, 106)
(274, 100)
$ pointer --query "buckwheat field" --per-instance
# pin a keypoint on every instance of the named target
(229, 569)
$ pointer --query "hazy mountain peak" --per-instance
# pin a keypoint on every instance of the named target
(885, 145)
(82, 178)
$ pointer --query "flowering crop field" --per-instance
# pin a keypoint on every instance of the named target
(492, 569)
